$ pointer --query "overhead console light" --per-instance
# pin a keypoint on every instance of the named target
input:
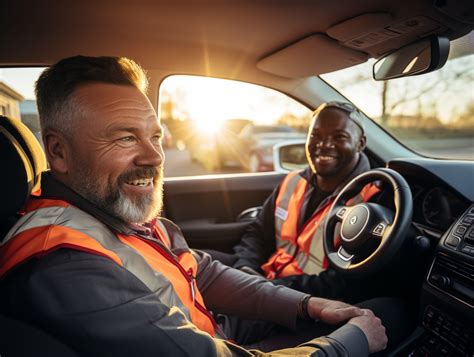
(361, 25)
(312, 55)
(380, 33)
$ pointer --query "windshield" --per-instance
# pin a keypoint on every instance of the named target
(432, 114)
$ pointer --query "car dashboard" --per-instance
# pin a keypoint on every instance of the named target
(443, 212)
(435, 208)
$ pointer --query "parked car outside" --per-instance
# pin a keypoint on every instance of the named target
(226, 143)
(218, 148)
(256, 144)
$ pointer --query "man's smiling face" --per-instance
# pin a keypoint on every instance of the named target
(333, 144)
(116, 154)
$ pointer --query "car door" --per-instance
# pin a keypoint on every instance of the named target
(213, 211)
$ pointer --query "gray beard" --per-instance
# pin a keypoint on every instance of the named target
(145, 209)
(115, 202)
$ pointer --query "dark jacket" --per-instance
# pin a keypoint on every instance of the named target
(258, 242)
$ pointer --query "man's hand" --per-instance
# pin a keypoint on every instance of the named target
(330, 311)
(373, 330)
(334, 312)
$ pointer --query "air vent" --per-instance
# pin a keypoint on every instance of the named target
(453, 277)
(459, 268)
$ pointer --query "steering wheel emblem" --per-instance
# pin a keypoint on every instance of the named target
(353, 220)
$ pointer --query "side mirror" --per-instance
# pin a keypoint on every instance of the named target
(289, 156)
(419, 57)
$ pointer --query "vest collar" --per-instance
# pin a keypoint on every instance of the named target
(54, 189)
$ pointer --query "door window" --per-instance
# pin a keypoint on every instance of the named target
(221, 126)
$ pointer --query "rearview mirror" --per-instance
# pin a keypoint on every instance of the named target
(419, 57)
(289, 156)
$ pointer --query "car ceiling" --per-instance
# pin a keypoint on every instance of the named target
(220, 37)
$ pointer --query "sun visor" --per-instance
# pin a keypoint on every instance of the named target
(312, 55)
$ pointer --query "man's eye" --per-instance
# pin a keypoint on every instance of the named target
(156, 139)
(127, 139)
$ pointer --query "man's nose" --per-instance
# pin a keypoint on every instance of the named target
(150, 154)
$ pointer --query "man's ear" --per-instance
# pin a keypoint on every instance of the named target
(361, 143)
(55, 146)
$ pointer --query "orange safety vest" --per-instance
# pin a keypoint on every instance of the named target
(300, 251)
(52, 224)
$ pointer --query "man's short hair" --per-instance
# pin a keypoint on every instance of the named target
(56, 84)
(352, 111)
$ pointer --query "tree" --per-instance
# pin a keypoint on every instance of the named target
(423, 96)
(300, 123)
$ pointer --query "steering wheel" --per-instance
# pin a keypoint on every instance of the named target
(370, 234)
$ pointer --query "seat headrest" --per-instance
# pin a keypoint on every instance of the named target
(23, 160)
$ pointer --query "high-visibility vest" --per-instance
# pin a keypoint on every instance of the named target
(52, 224)
(300, 251)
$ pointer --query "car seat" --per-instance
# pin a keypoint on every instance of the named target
(23, 161)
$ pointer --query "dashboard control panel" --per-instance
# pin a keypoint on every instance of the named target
(445, 337)
(461, 236)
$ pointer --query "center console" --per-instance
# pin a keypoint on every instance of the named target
(446, 325)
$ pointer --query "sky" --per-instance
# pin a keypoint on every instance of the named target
(21, 79)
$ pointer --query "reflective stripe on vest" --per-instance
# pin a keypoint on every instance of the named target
(56, 224)
(285, 221)
(301, 252)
